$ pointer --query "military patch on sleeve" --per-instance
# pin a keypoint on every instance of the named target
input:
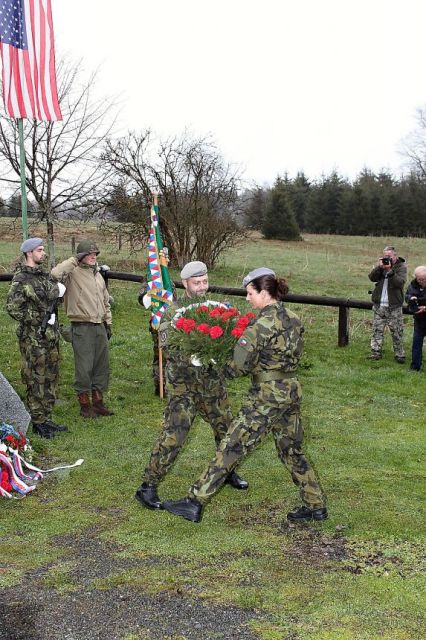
(242, 342)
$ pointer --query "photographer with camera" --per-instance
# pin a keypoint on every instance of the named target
(390, 275)
(416, 300)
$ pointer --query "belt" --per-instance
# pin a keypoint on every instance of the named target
(86, 324)
(267, 376)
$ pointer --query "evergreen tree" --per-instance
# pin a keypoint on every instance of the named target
(299, 191)
(325, 204)
(256, 208)
(280, 222)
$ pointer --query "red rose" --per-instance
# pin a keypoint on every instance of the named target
(189, 325)
(216, 313)
(250, 315)
(234, 311)
(202, 308)
(237, 332)
(179, 323)
(203, 328)
(243, 322)
(227, 315)
(216, 332)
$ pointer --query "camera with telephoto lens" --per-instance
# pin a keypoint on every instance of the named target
(386, 260)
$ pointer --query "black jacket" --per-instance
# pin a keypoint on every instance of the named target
(414, 289)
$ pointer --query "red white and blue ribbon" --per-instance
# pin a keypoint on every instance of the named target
(16, 474)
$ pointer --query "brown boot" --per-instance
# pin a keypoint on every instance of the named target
(98, 405)
(86, 409)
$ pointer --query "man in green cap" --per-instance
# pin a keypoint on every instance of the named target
(31, 301)
(87, 306)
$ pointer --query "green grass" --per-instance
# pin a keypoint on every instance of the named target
(359, 575)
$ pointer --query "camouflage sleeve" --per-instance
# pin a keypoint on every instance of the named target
(246, 351)
(25, 305)
(16, 302)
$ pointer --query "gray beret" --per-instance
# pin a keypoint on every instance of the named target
(193, 270)
(256, 273)
(31, 244)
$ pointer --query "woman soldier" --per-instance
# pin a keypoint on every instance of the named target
(269, 351)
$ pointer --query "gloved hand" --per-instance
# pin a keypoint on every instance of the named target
(52, 319)
(62, 288)
(108, 329)
(104, 267)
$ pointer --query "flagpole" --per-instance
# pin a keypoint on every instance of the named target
(24, 217)
(160, 350)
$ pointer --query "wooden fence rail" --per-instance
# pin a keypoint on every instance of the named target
(342, 304)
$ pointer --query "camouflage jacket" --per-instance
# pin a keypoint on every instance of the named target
(273, 344)
(30, 295)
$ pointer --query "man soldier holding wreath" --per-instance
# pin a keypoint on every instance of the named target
(190, 390)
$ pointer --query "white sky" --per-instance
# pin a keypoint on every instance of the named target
(311, 85)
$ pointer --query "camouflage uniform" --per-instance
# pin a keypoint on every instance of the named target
(269, 351)
(31, 293)
(190, 391)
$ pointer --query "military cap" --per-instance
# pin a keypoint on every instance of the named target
(193, 270)
(85, 247)
(31, 244)
(257, 273)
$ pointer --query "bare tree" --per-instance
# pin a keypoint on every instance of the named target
(62, 169)
(413, 147)
(198, 192)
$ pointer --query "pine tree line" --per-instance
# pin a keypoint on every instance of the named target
(371, 205)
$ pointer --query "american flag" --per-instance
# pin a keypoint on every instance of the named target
(27, 51)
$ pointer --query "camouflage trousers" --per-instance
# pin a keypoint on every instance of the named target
(255, 420)
(388, 317)
(187, 397)
(39, 373)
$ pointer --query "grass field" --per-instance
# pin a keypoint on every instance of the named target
(359, 575)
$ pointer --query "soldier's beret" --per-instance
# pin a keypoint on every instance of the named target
(256, 273)
(31, 244)
(193, 270)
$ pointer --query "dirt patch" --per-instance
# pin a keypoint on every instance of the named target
(33, 611)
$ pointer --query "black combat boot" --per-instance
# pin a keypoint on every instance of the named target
(236, 482)
(304, 514)
(56, 427)
(43, 430)
(147, 496)
(188, 508)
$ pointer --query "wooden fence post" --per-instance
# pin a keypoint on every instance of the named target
(343, 330)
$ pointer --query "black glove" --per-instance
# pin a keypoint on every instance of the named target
(108, 329)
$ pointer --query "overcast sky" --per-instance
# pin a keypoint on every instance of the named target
(312, 85)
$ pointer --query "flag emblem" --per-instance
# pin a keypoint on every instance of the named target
(28, 56)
